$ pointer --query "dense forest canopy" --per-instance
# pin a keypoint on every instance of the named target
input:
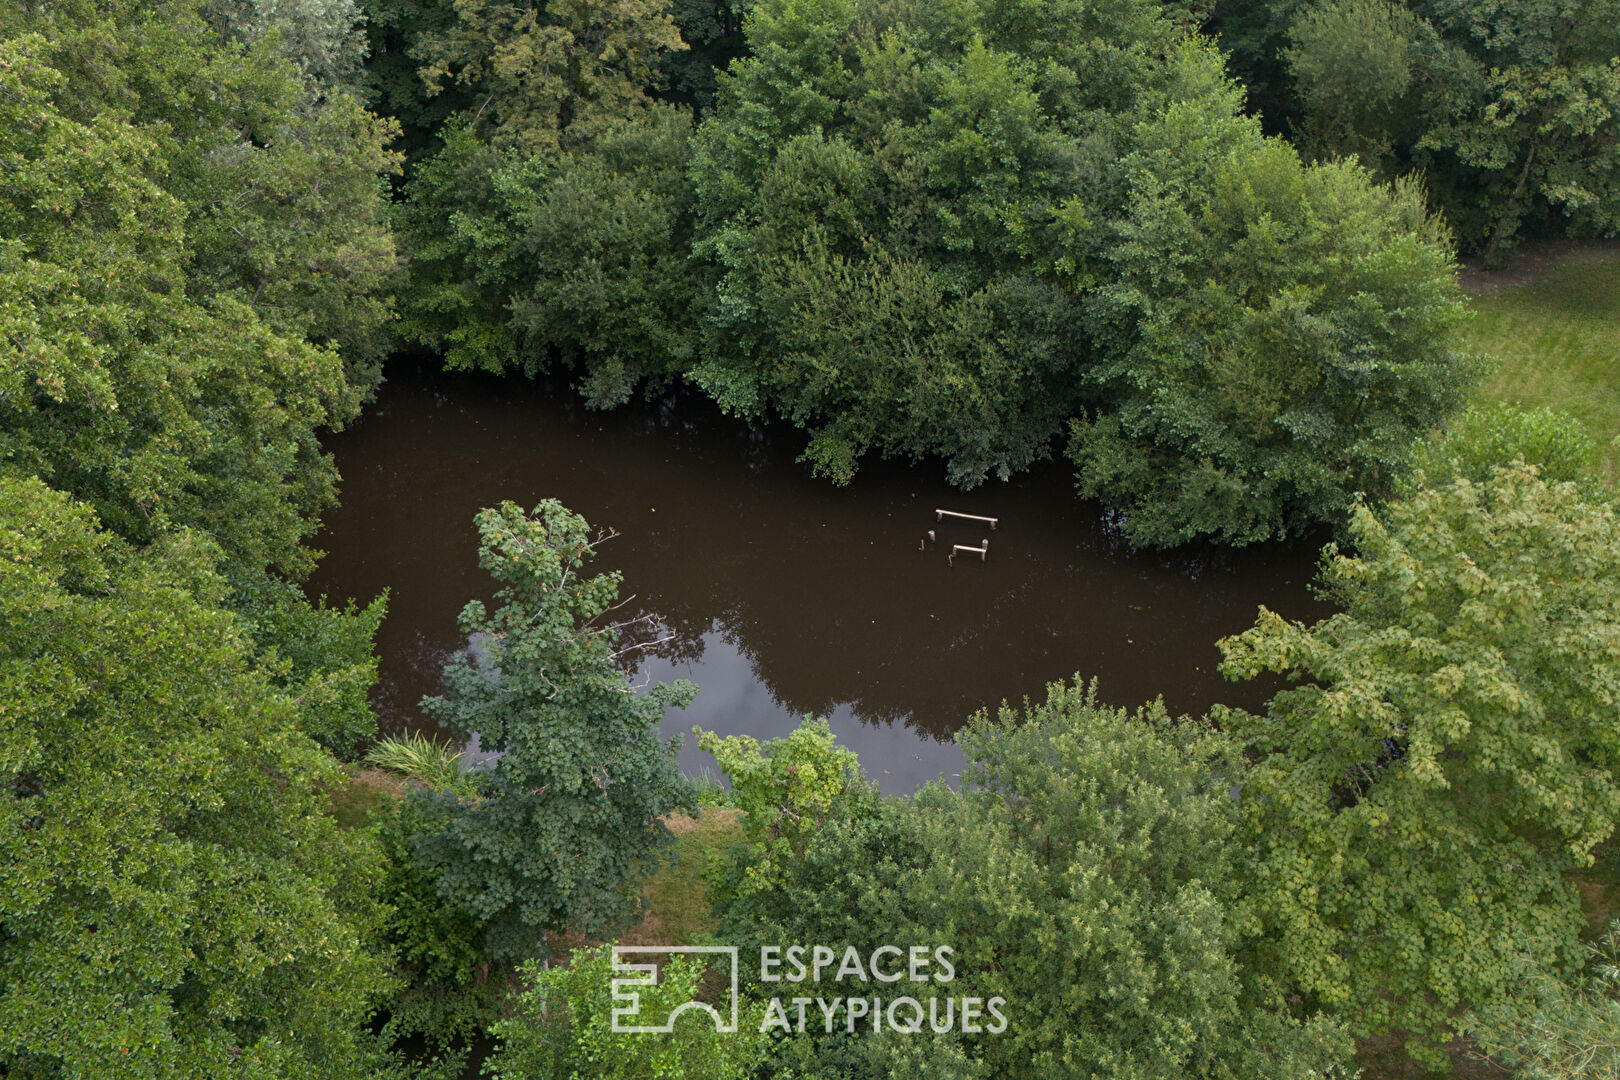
(1206, 252)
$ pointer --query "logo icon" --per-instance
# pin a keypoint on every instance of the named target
(627, 998)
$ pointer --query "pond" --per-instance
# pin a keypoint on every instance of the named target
(787, 595)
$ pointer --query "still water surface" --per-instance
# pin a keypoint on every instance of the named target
(787, 596)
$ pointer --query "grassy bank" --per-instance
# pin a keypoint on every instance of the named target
(1553, 324)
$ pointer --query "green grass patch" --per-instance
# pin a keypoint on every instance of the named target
(368, 789)
(677, 898)
(1556, 339)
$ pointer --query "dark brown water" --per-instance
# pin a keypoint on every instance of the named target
(788, 596)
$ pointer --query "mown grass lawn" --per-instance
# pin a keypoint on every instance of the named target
(1556, 338)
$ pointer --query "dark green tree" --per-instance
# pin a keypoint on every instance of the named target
(1450, 756)
(891, 196)
(559, 832)
(713, 32)
(1275, 338)
(1509, 110)
(573, 258)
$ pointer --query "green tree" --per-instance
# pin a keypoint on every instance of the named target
(1355, 63)
(947, 229)
(117, 386)
(1449, 757)
(786, 790)
(178, 899)
(889, 194)
(1560, 1030)
(1085, 873)
(563, 1027)
(1479, 441)
(1284, 357)
(564, 826)
(1530, 126)
(1509, 110)
(282, 187)
(323, 39)
(538, 73)
(572, 257)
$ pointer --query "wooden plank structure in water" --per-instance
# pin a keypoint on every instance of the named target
(941, 515)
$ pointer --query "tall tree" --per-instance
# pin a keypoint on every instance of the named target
(888, 195)
(1275, 337)
(539, 72)
(572, 258)
(282, 185)
(561, 830)
(178, 900)
(1509, 110)
(118, 386)
(1084, 874)
(323, 39)
(1451, 755)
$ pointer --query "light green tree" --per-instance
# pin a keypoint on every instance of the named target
(563, 1028)
(178, 901)
(786, 789)
(116, 385)
(1354, 63)
(1451, 754)
(1085, 873)
(282, 188)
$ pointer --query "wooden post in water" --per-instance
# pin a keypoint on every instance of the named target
(941, 515)
(981, 551)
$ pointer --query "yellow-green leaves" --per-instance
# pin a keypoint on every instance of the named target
(1453, 752)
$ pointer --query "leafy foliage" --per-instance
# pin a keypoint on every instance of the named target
(414, 755)
(947, 229)
(540, 73)
(450, 990)
(887, 194)
(786, 790)
(571, 255)
(1450, 755)
(1483, 439)
(114, 384)
(1510, 110)
(321, 38)
(1287, 355)
(1561, 1030)
(561, 830)
(280, 189)
(1084, 873)
(563, 1028)
(179, 901)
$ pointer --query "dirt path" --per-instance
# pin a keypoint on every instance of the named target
(1533, 260)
